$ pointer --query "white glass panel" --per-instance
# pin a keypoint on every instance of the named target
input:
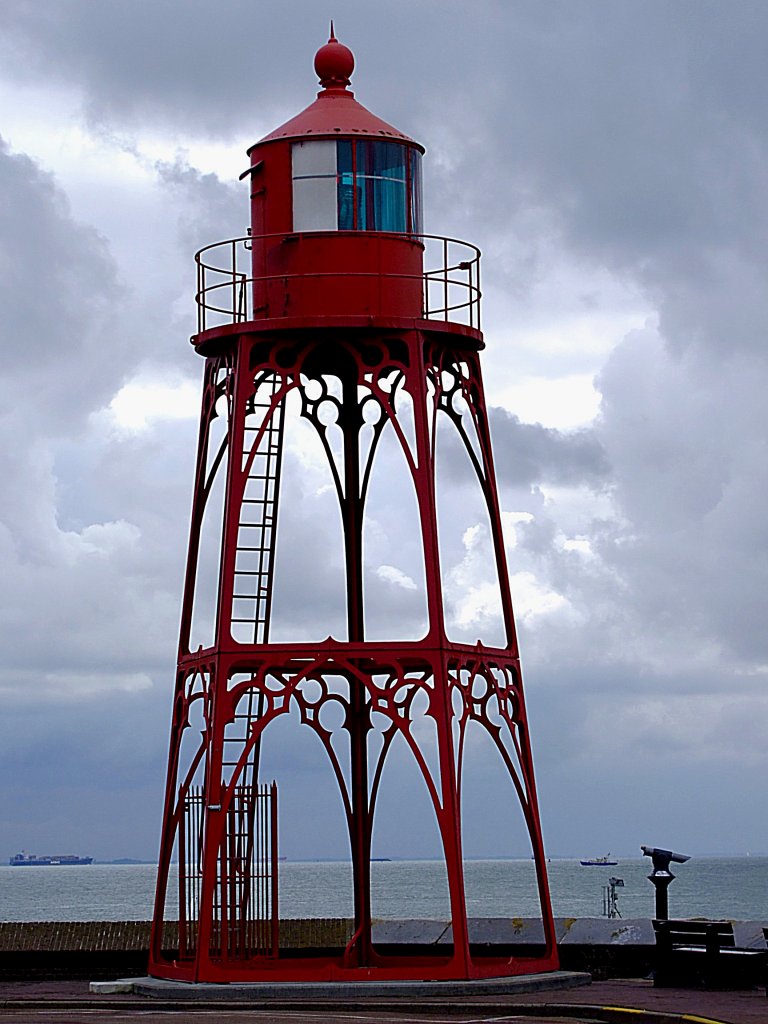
(314, 204)
(318, 157)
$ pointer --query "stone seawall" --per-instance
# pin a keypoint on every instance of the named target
(125, 936)
(109, 949)
(95, 950)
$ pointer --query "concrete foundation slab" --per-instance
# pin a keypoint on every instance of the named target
(255, 992)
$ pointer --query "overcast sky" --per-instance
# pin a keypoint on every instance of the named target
(610, 159)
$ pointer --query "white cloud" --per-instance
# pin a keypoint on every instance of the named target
(393, 575)
(562, 402)
(531, 598)
(143, 401)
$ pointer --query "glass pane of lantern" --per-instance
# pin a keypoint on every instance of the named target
(346, 184)
(388, 203)
(314, 158)
(314, 204)
(387, 160)
(416, 201)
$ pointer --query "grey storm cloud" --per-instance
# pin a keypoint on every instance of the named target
(190, 65)
(208, 208)
(85, 551)
(627, 139)
(528, 453)
(687, 441)
(58, 285)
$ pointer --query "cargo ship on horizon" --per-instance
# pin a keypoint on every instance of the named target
(27, 860)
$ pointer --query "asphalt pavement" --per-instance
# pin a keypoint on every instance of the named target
(71, 1002)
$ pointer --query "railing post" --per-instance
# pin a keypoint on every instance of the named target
(233, 274)
(200, 296)
(445, 279)
(275, 868)
(472, 309)
(471, 280)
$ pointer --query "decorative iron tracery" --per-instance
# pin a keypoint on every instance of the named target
(358, 391)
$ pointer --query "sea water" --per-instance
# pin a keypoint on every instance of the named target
(713, 887)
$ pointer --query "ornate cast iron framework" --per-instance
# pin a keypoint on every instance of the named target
(229, 692)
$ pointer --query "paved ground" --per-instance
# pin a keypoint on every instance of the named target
(70, 1002)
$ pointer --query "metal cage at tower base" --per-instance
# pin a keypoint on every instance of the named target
(347, 627)
(245, 904)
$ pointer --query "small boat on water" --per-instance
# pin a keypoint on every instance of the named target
(29, 860)
(599, 862)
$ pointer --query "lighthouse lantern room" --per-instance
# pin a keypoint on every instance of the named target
(322, 620)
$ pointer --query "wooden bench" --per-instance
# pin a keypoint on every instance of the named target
(703, 954)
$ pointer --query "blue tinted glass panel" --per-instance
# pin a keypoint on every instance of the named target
(372, 186)
(364, 212)
(388, 160)
(346, 199)
(344, 159)
(416, 200)
(388, 202)
(345, 185)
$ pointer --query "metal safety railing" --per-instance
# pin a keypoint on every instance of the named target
(225, 280)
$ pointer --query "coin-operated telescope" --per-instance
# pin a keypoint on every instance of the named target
(661, 876)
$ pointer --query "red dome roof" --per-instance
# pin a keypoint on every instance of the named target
(336, 112)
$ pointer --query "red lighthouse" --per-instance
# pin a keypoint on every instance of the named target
(336, 316)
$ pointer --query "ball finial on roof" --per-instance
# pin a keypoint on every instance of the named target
(334, 63)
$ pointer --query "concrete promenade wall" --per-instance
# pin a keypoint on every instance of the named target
(109, 949)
